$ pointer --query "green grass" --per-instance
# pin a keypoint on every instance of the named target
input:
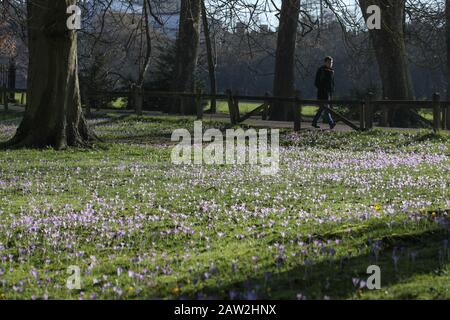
(141, 227)
(8, 115)
(222, 107)
(245, 107)
(307, 111)
(118, 103)
(427, 114)
(18, 97)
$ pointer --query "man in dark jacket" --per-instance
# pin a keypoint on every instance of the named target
(325, 89)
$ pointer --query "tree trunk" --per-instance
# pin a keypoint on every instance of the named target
(211, 59)
(284, 81)
(447, 39)
(188, 41)
(145, 64)
(53, 116)
(390, 51)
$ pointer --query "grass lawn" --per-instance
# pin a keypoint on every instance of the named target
(118, 103)
(140, 227)
(18, 97)
(222, 107)
(245, 107)
(9, 115)
(427, 114)
(307, 111)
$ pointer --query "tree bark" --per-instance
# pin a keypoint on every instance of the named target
(188, 42)
(53, 115)
(145, 64)
(390, 51)
(284, 82)
(211, 59)
(447, 40)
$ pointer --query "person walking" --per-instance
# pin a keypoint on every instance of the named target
(325, 89)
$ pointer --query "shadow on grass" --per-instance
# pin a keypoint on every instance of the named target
(107, 120)
(399, 257)
(158, 131)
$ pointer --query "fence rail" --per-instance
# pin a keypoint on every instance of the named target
(366, 107)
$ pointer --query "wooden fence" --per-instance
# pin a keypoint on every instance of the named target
(8, 95)
(365, 108)
(8, 75)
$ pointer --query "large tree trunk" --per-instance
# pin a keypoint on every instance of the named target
(390, 51)
(284, 81)
(447, 39)
(187, 55)
(53, 115)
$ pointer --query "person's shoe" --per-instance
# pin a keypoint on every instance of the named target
(315, 126)
(332, 126)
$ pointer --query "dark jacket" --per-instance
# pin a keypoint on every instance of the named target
(325, 82)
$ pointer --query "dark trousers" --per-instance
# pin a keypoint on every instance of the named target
(326, 114)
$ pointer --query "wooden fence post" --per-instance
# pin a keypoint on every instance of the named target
(265, 112)
(369, 111)
(231, 108)
(5, 98)
(436, 112)
(443, 116)
(384, 122)
(297, 112)
(12, 70)
(237, 112)
(362, 116)
(198, 103)
(447, 117)
(444, 109)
